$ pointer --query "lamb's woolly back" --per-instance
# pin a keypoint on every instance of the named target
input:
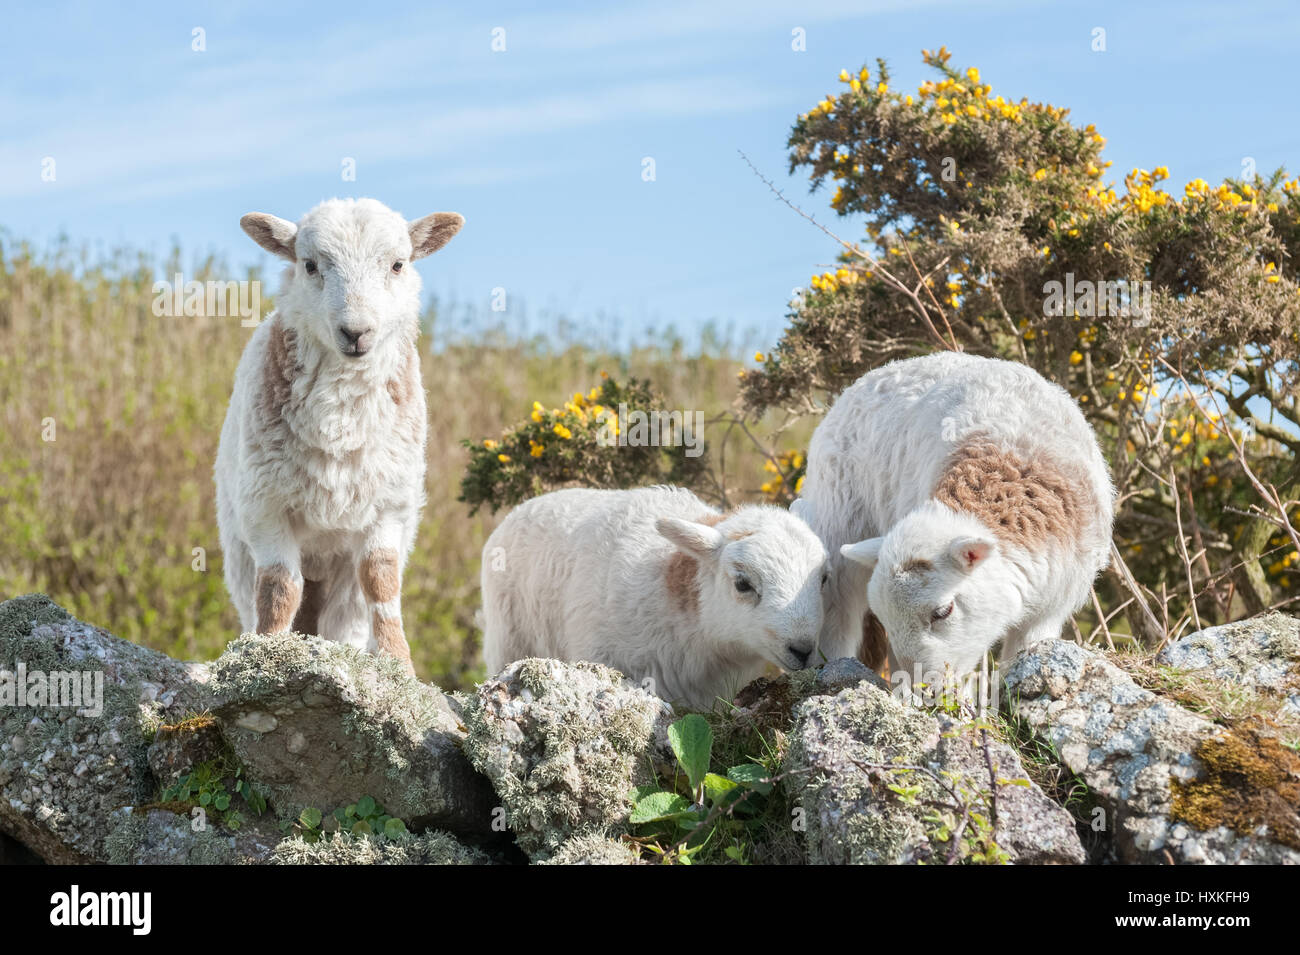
(646, 581)
(924, 452)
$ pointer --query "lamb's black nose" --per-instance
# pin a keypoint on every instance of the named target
(355, 343)
(800, 655)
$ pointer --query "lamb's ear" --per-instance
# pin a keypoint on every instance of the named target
(865, 552)
(800, 509)
(698, 540)
(968, 552)
(272, 233)
(431, 233)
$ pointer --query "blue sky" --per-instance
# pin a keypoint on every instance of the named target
(541, 146)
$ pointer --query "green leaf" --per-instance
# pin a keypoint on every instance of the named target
(640, 792)
(205, 798)
(365, 807)
(716, 786)
(692, 741)
(221, 801)
(310, 818)
(394, 828)
(362, 828)
(658, 806)
(752, 776)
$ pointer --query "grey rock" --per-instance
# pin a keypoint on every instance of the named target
(846, 752)
(317, 724)
(564, 744)
(593, 848)
(64, 771)
(1262, 653)
(428, 848)
(160, 837)
(845, 672)
(1136, 752)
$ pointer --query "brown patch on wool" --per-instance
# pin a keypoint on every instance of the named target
(381, 576)
(683, 589)
(277, 599)
(1023, 502)
(875, 643)
(307, 619)
(279, 366)
(391, 639)
(404, 388)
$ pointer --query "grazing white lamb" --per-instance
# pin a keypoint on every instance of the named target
(320, 472)
(965, 501)
(654, 583)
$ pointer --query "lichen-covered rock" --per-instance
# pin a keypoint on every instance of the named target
(64, 769)
(845, 672)
(428, 848)
(1262, 653)
(769, 703)
(141, 836)
(317, 724)
(1174, 787)
(161, 837)
(564, 744)
(593, 848)
(850, 754)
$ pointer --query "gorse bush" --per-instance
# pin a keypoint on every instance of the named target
(569, 444)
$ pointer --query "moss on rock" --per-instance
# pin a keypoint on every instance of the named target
(1250, 780)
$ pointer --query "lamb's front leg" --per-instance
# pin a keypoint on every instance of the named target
(381, 582)
(278, 587)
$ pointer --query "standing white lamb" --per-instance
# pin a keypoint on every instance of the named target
(655, 583)
(965, 501)
(320, 472)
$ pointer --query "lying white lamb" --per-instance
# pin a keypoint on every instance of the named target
(656, 584)
(965, 501)
(320, 472)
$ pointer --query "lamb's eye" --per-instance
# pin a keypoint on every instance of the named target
(942, 612)
(310, 266)
(743, 586)
(825, 577)
(397, 267)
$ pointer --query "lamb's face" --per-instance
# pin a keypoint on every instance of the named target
(763, 574)
(941, 590)
(352, 287)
